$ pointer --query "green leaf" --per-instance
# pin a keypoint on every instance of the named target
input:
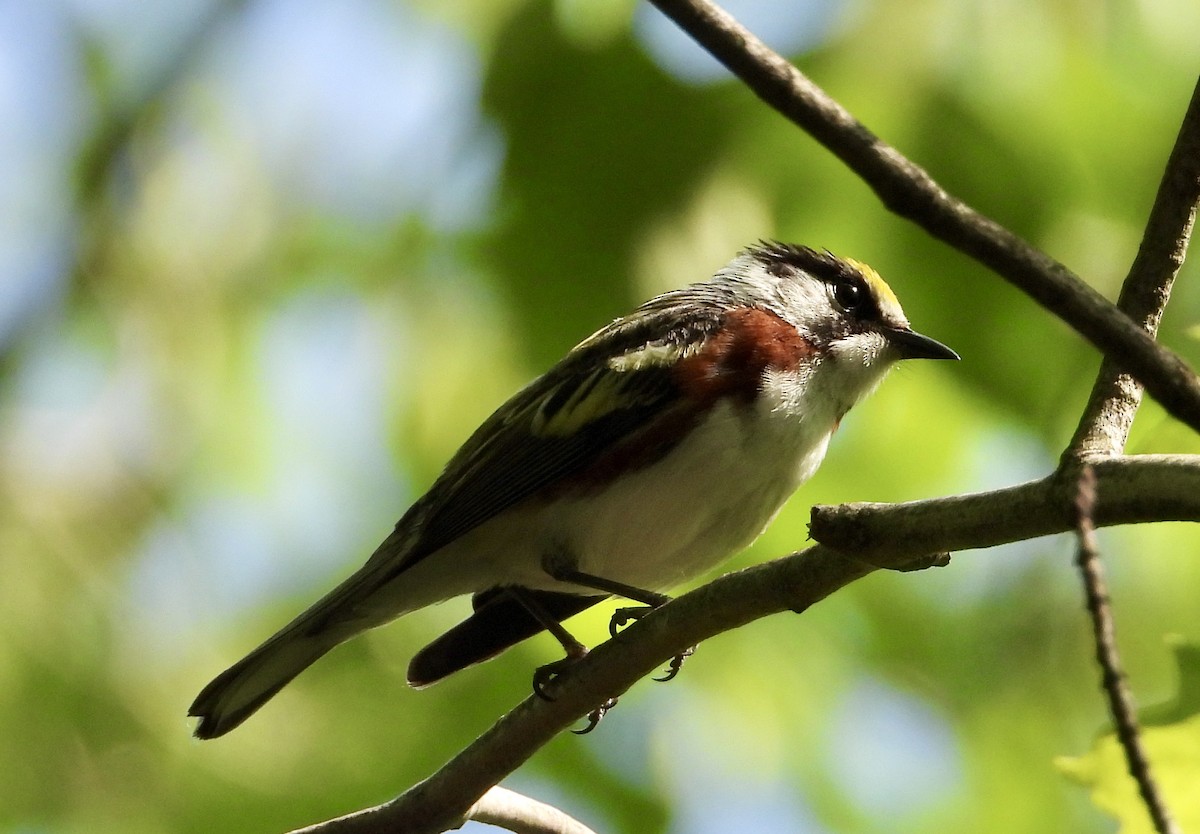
(1174, 753)
(1171, 737)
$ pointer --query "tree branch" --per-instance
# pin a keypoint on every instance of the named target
(519, 813)
(1114, 683)
(498, 806)
(1115, 397)
(910, 192)
(1108, 417)
(1135, 490)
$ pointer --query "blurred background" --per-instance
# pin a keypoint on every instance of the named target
(264, 265)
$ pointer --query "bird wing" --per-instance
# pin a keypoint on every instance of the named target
(613, 402)
(613, 399)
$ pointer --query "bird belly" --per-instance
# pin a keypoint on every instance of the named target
(666, 523)
(709, 499)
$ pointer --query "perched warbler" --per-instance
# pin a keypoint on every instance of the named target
(659, 446)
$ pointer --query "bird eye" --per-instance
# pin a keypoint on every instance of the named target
(848, 295)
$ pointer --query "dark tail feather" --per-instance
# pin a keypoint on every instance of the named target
(499, 621)
(235, 694)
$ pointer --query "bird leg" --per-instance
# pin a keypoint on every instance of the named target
(622, 616)
(544, 676)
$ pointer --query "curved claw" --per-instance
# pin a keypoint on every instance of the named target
(676, 664)
(622, 617)
(595, 716)
(545, 676)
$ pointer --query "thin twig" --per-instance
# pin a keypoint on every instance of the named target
(1105, 423)
(517, 812)
(1120, 700)
(498, 806)
(909, 191)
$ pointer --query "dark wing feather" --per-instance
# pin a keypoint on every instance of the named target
(612, 389)
(498, 622)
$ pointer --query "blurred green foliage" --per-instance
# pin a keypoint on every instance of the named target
(255, 360)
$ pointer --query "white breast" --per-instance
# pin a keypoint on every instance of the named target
(708, 498)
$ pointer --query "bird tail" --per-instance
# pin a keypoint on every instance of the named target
(235, 694)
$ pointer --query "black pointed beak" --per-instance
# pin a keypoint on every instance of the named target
(913, 345)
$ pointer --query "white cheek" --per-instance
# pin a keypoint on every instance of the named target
(862, 349)
(859, 363)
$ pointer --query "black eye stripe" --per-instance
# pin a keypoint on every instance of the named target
(848, 290)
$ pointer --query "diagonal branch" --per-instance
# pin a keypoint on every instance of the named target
(1115, 396)
(1104, 427)
(1135, 490)
(909, 191)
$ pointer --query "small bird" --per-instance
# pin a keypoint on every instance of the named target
(658, 447)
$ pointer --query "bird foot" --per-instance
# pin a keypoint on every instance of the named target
(595, 715)
(624, 616)
(545, 677)
(676, 664)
